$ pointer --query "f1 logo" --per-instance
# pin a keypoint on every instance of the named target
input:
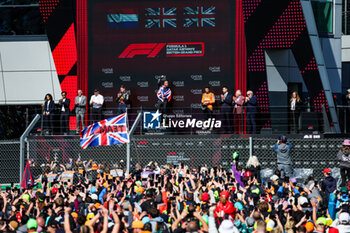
(150, 49)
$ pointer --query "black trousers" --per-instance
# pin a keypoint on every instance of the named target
(294, 121)
(121, 108)
(48, 122)
(208, 113)
(162, 108)
(345, 176)
(64, 122)
(227, 118)
(251, 124)
(237, 123)
(96, 114)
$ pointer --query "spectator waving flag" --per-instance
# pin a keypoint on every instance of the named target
(124, 18)
(27, 180)
(110, 131)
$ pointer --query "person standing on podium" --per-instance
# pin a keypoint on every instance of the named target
(80, 110)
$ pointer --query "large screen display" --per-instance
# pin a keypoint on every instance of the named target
(134, 42)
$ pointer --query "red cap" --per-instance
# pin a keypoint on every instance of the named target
(333, 230)
(225, 194)
(327, 170)
(248, 174)
(18, 217)
(54, 190)
(162, 208)
(205, 197)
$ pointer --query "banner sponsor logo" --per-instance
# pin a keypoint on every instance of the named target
(215, 83)
(193, 123)
(197, 77)
(196, 91)
(108, 98)
(177, 157)
(107, 70)
(215, 69)
(178, 111)
(107, 84)
(179, 83)
(196, 106)
(142, 98)
(125, 78)
(152, 50)
(107, 112)
(179, 98)
(142, 84)
(151, 120)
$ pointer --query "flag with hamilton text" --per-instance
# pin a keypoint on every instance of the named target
(110, 131)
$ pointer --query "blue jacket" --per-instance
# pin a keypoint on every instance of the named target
(251, 105)
(226, 105)
(328, 185)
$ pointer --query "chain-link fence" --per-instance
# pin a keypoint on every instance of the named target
(9, 161)
(194, 151)
(191, 150)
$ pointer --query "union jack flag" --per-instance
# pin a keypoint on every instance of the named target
(164, 92)
(110, 131)
(160, 17)
(199, 16)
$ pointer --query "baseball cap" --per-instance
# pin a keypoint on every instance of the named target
(248, 174)
(145, 219)
(225, 194)
(327, 170)
(333, 230)
(137, 224)
(54, 190)
(302, 200)
(226, 226)
(26, 197)
(343, 189)
(346, 142)
(344, 218)
(274, 178)
(293, 180)
(32, 224)
(283, 138)
(255, 189)
(13, 225)
(270, 224)
(205, 197)
(322, 220)
(309, 227)
(140, 190)
(94, 197)
(249, 221)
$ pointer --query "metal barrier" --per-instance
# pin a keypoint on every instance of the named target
(9, 161)
(194, 151)
(274, 120)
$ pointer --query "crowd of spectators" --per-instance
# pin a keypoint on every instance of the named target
(102, 197)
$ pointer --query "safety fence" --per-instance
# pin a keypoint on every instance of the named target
(314, 154)
(9, 161)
